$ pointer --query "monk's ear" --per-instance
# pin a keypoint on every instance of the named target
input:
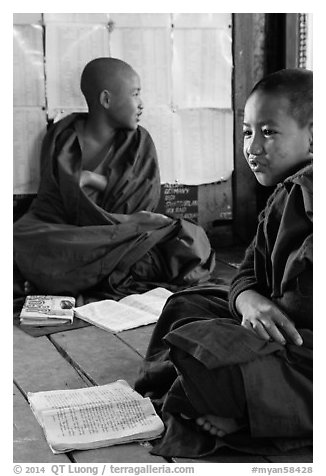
(105, 98)
(311, 137)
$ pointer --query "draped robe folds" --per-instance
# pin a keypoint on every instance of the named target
(200, 359)
(70, 243)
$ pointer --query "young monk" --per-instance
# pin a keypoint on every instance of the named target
(93, 228)
(238, 371)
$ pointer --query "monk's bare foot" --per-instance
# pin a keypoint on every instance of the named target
(218, 426)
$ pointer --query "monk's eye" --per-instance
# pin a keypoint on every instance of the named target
(268, 132)
(246, 133)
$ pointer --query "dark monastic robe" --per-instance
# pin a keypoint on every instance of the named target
(202, 361)
(73, 242)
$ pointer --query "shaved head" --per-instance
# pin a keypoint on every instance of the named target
(294, 84)
(103, 74)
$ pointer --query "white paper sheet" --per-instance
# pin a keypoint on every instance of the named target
(76, 17)
(29, 126)
(202, 68)
(141, 20)
(114, 392)
(27, 18)
(28, 73)
(148, 51)
(86, 426)
(152, 301)
(69, 48)
(202, 20)
(159, 123)
(197, 54)
(204, 140)
(194, 146)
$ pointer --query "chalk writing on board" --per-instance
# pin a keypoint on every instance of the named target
(179, 201)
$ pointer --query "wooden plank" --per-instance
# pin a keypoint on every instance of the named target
(29, 445)
(104, 357)
(138, 338)
(130, 453)
(99, 354)
(38, 365)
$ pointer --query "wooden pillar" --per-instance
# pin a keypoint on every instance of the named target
(248, 56)
(292, 40)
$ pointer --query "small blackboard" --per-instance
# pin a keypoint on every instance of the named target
(179, 201)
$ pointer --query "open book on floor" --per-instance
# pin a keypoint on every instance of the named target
(94, 417)
(132, 311)
(47, 310)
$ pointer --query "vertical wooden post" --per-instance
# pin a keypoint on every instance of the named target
(248, 54)
(292, 40)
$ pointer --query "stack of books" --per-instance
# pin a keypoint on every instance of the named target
(47, 310)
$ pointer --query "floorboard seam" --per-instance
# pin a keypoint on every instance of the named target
(81, 372)
(24, 394)
(130, 346)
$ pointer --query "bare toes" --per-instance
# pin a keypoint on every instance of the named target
(200, 421)
(214, 431)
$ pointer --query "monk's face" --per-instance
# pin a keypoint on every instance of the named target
(274, 144)
(125, 102)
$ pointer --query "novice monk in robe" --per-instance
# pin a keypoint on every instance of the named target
(93, 228)
(236, 370)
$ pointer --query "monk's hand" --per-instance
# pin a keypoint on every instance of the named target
(149, 218)
(85, 177)
(263, 316)
(92, 179)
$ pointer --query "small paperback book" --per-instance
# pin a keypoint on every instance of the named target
(94, 417)
(47, 310)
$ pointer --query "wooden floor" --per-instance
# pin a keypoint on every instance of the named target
(91, 356)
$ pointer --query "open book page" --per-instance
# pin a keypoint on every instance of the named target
(113, 316)
(104, 425)
(118, 391)
(152, 301)
(130, 312)
(94, 417)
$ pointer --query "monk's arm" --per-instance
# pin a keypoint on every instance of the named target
(143, 217)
